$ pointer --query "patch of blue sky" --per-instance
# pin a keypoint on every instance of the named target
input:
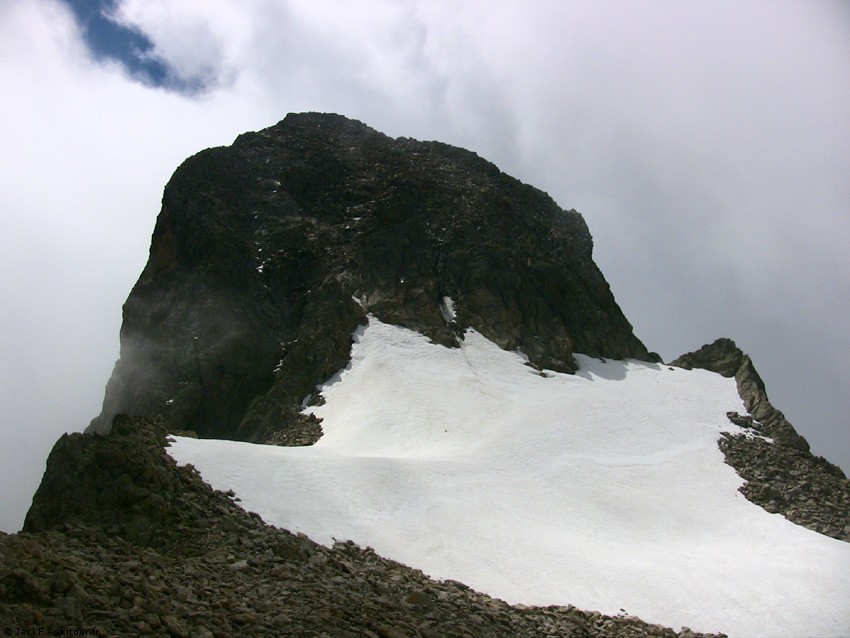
(110, 40)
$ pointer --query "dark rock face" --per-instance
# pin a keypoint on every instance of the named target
(725, 358)
(782, 476)
(269, 253)
(122, 484)
(807, 490)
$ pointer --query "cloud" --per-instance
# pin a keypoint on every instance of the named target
(705, 143)
(86, 154)
(109, 40)
(200, 44)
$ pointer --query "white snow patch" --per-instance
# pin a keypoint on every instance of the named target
(604, 489)
(448, 309)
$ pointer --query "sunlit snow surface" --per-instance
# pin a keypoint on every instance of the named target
(604, 489)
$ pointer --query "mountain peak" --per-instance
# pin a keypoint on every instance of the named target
(319, 274)
(722, 356)
(268, 253)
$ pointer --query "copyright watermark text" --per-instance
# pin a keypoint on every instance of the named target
(36, 630)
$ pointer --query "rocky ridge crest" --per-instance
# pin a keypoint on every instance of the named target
(781, 474)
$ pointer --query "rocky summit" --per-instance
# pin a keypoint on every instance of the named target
(265, 258)
(268, 253)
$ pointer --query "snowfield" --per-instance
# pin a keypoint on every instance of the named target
(604, 489)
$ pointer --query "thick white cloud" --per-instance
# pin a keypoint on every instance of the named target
(705, 143)
(85, 156)
(201, 42)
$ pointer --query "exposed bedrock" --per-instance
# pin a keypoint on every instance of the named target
(267, 255)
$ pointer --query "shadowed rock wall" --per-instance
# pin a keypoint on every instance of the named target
(269, 253)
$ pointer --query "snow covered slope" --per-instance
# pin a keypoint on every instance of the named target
(604, 489)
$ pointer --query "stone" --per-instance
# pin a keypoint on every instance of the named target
(741, 420)
(419, 599)
(62, 582)
(175, 627)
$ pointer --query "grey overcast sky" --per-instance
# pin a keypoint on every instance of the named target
(707, 144)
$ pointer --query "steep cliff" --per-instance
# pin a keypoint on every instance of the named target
(268, 253)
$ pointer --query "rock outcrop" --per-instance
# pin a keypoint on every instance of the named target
(267, 254)
(781, 474)
(145, 548)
